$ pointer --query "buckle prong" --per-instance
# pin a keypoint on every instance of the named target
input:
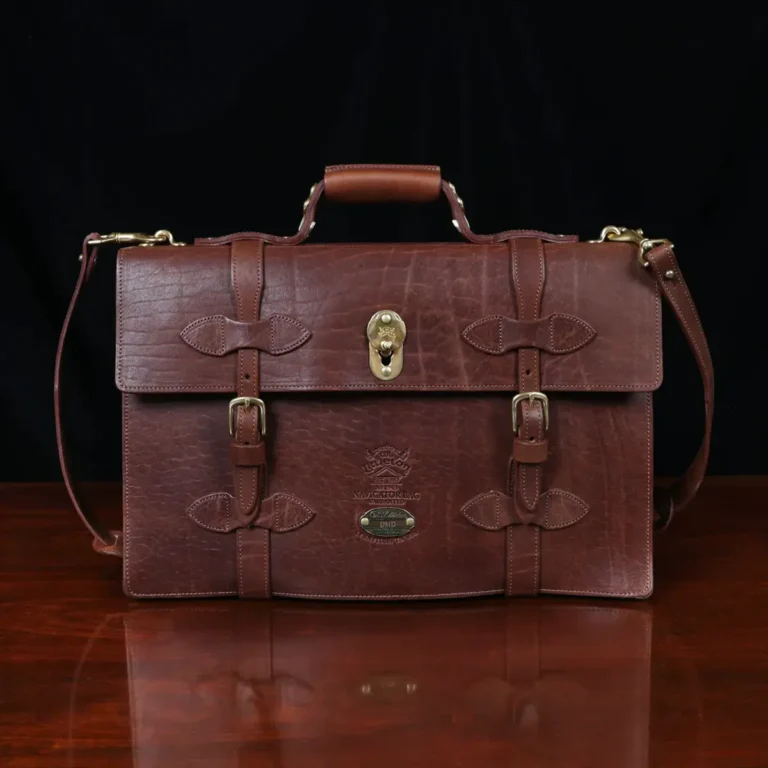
(530, 397)
(248, 402)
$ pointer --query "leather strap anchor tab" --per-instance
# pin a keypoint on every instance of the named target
(530, 421)
(247, 427)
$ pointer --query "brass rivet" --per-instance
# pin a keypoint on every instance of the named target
(365, 689)
(80, 257)
(386, 318)
(386, 371)
(410, 522)
(669, 274)
(364, 522)
(411, 688)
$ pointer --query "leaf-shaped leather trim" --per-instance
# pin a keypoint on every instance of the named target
(219, 335)
(557, 334)
(283, 512)
(279, 513)
(214, 512)
(489, 510)
(556, 509)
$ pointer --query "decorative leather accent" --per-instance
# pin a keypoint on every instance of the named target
(279, 513)
(218, 335)
(382, 183)
(557, 334)
(494, 510)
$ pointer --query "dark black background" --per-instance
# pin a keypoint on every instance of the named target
(212, 118)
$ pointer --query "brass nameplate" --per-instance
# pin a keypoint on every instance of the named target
(387, 521)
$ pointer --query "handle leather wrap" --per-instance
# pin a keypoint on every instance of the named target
(382, 183)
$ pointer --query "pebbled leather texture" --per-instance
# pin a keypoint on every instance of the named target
(438, 290)
(455, 447)
(218, 335)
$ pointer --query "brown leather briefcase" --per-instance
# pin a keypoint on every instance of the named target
(391, 422)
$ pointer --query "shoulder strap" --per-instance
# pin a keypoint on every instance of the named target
(664, 267)
(667, 500)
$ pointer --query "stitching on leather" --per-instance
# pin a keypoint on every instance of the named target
(219, 320)
(204, 500)
(591, 332)
(479, 344)
(305, 336)
(184, 594)
(364, 166)
(302, 521)
(572, 497)
(265, 552)
(473, 502)
(649, 471)
(227, 389)
(239, 562)
(386, 597)
(499, 331)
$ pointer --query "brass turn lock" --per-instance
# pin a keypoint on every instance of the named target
(386, 335)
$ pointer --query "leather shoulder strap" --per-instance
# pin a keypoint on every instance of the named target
(668, 500)
(663, 265)
(104, 541)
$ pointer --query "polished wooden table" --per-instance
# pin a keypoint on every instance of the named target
(89, 678)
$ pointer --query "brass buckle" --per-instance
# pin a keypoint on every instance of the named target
(530, 397)
(248, 402)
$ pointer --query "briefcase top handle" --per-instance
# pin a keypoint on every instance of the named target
(383, 183)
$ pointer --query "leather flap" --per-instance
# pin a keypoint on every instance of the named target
(440, 290)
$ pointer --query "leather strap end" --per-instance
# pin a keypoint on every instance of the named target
(115, 547)
(248, 455)
(530, 451)
(382, 183)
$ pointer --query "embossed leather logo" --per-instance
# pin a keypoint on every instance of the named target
(386, 470)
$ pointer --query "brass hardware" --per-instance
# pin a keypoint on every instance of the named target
(387, 522)
(635, 236)
(386, 334)
(304, 208)
(669, 274)
(389, 687)
(248, 402)
(530, 397)
(461, 205)
(161, 237)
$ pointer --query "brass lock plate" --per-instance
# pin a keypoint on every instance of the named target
(386, 335)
